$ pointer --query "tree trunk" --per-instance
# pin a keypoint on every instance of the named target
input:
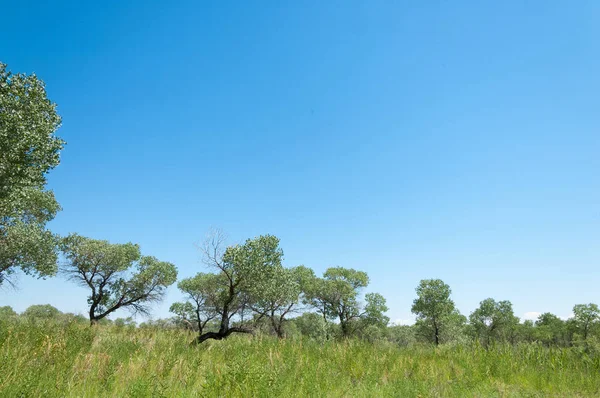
(220, 335)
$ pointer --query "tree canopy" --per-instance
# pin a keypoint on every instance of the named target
(433, 307)
(29, 149)
(117, 274)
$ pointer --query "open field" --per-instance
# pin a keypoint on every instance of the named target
(51, 359)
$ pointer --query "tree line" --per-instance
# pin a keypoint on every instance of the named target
(247, 287)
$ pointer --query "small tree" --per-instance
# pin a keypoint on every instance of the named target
(276, 293)
(117, 275)
(336, 296)
(204, 292)
(493, 320)
(29, 149)
(586, 317)
(433, 308)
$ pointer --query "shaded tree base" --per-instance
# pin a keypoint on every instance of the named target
(220, 335)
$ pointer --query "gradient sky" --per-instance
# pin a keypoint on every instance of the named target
(455, 140)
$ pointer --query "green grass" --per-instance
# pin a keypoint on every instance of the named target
(52, 360)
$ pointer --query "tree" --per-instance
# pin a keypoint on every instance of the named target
(336, 296)
(493, 320)
(550, 329)
(203, 292)
(238, 268)
(586, 316)
(117, 275)
(29, 149)
(7, 312)
(41, 311)
(276, 293)
(433, 308)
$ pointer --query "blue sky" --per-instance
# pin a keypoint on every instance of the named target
(453, 140)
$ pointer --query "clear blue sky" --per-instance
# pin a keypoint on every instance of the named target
(453, 140)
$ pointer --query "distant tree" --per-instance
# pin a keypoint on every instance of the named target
(29, 149)
(493, 320)
(586, 317)
(117, 275)
(433, 308)
(375, 309)
(204, 293)
(41, 311)
(7, 312)
(551, 330)
(402, 335)
(238, 268)
(336, 296)
(276, 293)
(312, 325)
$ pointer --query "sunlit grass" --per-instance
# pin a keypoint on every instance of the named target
(74, 360)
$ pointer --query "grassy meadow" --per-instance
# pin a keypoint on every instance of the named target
(49, 359)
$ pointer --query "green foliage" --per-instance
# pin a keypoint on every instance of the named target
(41, 311)
(72, 360)
(402, 335)
(586, 318)
(117, 274)
(336, 296)
(7, 312)
(434, 309)
(29, 149)
(312, 326)
(493, 321)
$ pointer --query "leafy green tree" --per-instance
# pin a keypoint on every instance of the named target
(586, 318)
(276, 293)
(41, 311)
(551, 330)
(204, 293)
(336, 296)
(117, 275)
(29, 149)
(239, 268)
(433, 308)
(7, 312)
(493, 320)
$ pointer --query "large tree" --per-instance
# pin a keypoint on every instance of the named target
(433, 307)
(493, 320)
(29, 149)
(117, 275)
(239, 269)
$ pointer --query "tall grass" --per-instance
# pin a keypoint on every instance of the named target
(74, 360)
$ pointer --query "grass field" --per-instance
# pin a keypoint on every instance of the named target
(74, 360)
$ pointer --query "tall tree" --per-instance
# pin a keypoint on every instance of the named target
(493, 320)
(117, 275)
(29, 149)
(433, 307)
(586, 317)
